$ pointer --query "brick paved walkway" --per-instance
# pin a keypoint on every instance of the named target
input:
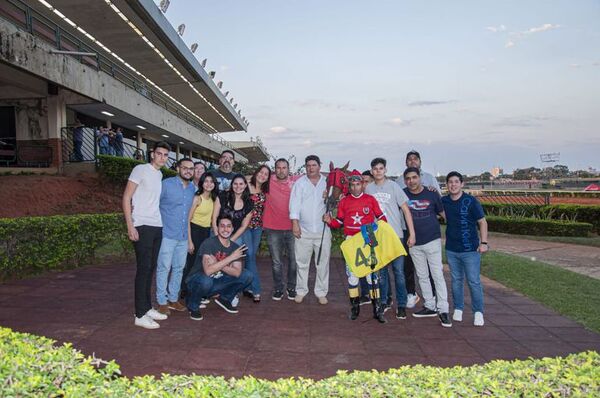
(92, 308)
(577, 258)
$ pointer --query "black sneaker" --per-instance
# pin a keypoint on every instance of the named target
(386, 307)
(248, 293)
(425, 313)
(195, 315)
(226, 306)
(401, 313)
(365, 300)
(291, 294)
(277, 295)
(445, 319)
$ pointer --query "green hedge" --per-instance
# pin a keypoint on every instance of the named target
(581, 213)
(32, 366)
(117, 169)
(30, 245)
(534, 226)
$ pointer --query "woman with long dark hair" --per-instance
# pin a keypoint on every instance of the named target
(200, 218)
(259, 186)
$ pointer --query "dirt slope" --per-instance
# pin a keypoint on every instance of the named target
(50, 195)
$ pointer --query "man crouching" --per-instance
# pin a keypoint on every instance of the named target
(217, 270)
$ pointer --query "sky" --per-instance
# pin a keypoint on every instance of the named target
(471, 85)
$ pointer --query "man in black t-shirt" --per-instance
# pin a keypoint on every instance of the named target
(224, 174)
(217, 270)
(425, 206)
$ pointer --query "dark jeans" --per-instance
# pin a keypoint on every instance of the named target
(280, 241)
(146, 256)
(199, 235)
(409, 271)
(77, 155)
(227, 286)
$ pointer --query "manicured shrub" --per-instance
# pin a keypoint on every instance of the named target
(117, 169)
(566, 212)
(538, 227)
(30, 245)
(32, 366)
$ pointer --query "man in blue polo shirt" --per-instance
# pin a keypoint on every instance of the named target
(175, 201)
(464, 215)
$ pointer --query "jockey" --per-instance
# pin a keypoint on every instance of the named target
(355, 210)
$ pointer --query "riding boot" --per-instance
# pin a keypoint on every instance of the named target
(378, 311)
(355, 309)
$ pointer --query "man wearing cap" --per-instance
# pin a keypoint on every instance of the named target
(355, 210)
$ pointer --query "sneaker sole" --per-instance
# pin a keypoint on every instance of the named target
(218, 302)
(196, 319)
(425, 316)
(400, 317)
(446, 325)
(177, 309)
(149, 327)
(291, 298)
(276, 298)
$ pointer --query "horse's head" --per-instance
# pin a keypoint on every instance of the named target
(337, 179)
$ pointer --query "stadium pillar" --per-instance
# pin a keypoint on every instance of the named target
(177, 152)
(57, 119)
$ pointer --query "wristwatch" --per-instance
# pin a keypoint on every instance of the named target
(484, 243)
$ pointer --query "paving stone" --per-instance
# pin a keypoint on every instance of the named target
(93, 308)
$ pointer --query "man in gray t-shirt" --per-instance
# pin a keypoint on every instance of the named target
(392, 201)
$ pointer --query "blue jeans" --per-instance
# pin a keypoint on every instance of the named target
(397, 267)
(227, 286)
(280, 242)
(251, 238)
(171, 259)
(469, 264)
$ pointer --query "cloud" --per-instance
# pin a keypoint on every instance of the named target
(397, 121)
(516, 36)
(521, 121)
(496, 29)
(429, 103)
(322, 104)
(597, 63)
(278, 129)
(545, 27)
(575, 65)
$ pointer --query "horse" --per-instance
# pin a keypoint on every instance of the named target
(337, 184)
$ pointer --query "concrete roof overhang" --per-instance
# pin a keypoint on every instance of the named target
(102, 21)
(209, 148)
(254, 151)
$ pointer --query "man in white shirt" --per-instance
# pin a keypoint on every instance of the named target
(144, 227)
(307, 207)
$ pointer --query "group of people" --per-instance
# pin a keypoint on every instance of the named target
(201, 231)
(110, 142)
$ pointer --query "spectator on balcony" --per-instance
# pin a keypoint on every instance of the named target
(112, 142)
(102, 139)
(119, 142)
(224, 174)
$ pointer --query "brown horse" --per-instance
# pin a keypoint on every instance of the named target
(337, 184)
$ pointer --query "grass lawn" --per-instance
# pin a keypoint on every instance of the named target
(576, 240)
(570, 294)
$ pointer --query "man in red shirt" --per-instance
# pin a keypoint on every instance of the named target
(354, 211)
(278, 229)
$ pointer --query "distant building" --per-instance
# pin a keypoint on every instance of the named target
(496, 171)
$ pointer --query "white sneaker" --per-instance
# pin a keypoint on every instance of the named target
(412, 300)
(478, 319)
(235, 301)
(146, 322)
(155, 315)
(205, 301)
(457, 316)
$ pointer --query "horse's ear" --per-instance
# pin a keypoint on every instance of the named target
(330, 166)
(346, 166)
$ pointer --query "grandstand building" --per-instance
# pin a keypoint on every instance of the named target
(106, 63)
